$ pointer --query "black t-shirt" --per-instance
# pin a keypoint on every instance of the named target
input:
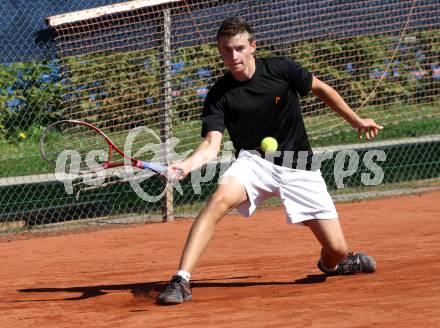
(265, 105)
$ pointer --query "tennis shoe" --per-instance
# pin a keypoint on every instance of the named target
(351, 264)
(177, 291)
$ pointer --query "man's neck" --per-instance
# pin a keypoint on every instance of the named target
(248, 74)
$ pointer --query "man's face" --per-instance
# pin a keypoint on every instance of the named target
(237, 53)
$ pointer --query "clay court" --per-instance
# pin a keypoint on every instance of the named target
(257, 272)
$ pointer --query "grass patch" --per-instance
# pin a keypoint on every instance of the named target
(21, 158)
(399, 122)
(392, 131)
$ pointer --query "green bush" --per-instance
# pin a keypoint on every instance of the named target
(30, 95)
(369, 58)
(122, 90)
(117, 88)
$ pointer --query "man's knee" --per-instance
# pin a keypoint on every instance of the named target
(222, 201)
(228, 196)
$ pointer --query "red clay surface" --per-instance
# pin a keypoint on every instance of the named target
(257, 272)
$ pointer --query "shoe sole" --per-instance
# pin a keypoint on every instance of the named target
(174, 301)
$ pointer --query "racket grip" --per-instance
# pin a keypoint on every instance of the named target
(161, 169)
(154, 167)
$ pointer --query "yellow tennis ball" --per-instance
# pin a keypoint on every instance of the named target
(22, 136)
(269, 144)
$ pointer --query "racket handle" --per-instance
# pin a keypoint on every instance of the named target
(154, 167)
(161, 169)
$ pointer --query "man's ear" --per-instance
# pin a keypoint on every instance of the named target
(253, 46)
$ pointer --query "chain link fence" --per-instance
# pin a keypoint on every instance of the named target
(152, 66)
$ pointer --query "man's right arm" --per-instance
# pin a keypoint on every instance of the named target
(205, 152)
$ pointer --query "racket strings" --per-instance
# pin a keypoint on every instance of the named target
(67, 143)
(108, 178)
(87, 155)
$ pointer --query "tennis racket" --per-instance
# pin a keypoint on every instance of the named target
(94, 147)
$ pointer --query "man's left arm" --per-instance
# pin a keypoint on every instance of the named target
(334, 100)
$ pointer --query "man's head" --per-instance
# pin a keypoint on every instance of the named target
(236, 45)
(232, 26)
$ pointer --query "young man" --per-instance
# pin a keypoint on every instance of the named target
(254, 99)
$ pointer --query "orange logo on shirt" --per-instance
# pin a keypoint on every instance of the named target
(277, 100)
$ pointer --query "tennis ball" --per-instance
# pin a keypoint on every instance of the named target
(22, 136)
(269, 144)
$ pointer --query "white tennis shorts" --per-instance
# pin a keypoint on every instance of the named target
(303, 193)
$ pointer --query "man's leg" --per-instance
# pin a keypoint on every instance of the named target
(335, 259)
(329, 234)
(228, 195)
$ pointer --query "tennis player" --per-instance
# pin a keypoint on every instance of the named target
(257, 98)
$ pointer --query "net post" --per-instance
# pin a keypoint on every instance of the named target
(166, 126)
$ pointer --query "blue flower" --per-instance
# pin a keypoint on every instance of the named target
(202, 92)
(10, 90)
(203, 72)
(149, 101)
(44, 78)
(13, 102)
(177, 67)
